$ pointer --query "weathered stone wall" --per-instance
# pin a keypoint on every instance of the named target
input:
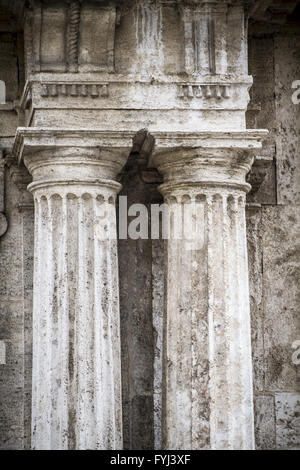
(16, 252)
(12, 74)
(16, 267)
(273, 245)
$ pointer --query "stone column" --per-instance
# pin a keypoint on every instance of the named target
(76, 401)
(207, 386)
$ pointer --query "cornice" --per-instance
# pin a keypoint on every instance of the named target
(39, 138)
(250, 138)
(103, 80)
(30, 138)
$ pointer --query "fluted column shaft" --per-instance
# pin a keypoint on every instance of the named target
(76, 395)
(208, 383)
(207, 386)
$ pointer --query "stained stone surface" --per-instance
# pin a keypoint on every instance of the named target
(254, 243)
(281, 272)
(9, 74)
(273, 237)
(12, 378)
(287, 70)
(273, 252)
(157, 314)
(265, 432)
(287, 406)
(261, 67)
(137, 335)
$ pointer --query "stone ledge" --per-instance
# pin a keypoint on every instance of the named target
(43, 138)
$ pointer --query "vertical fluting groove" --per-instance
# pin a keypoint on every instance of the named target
(234, 323)
(117, 335)
(227, 327)
(97, 340)
(47, 273)
(54, 426)
(164, 394)
(55, 319)
(239, 434)
(181, 401)
(116, 378)
(89, 320)
(36, 326)
(194, 313)
(175, 331)
(113, 321)
(91, 371)
(73, 33)
(65, 327)
(81, 331)
(105, 313)
(238, 417)
(114, 327)
(210, 316)
(110, 339)
(72, 275)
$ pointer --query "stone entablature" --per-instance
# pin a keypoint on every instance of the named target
(60, 35)
(136, 102)
(70, 81)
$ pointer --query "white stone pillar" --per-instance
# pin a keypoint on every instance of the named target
(76, 401)
(207, 382)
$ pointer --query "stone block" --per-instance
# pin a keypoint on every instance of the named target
(287, 70)
(287, 407)
(264, 412)
(281, 295)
